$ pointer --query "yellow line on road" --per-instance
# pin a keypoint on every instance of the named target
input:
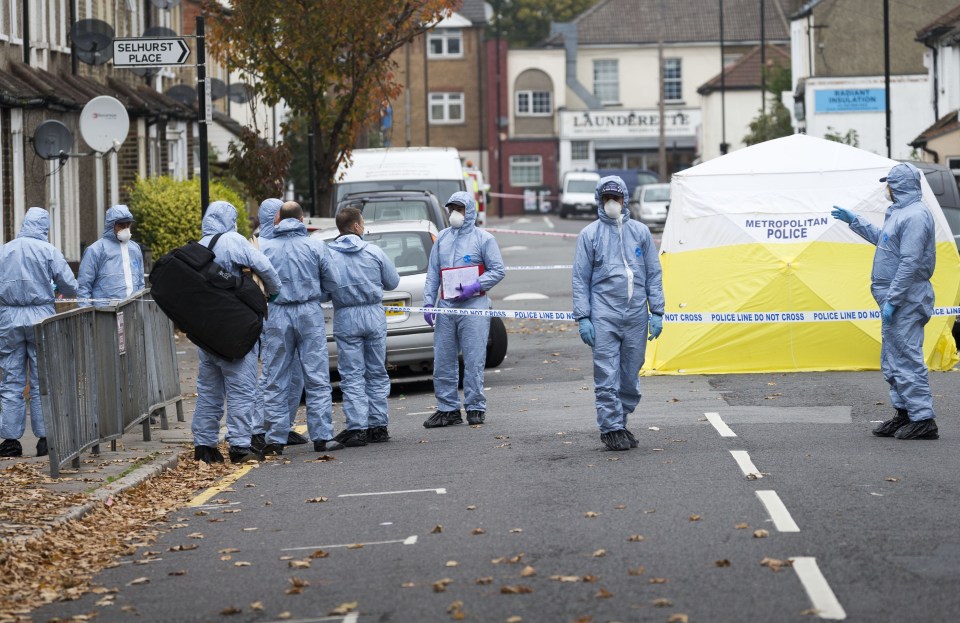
(228, 480)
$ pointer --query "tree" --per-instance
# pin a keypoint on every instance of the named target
(850, 137)
(526, 23)
(260, 167)
(776, 122)
(329, 60)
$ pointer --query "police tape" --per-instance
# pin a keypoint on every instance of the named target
(544, 267)
(551, 234)
(676, 317)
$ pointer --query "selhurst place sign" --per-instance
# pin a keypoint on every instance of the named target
(150, 52)
(589, 124)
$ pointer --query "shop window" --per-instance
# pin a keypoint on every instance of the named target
(446, 108)
(606, 81)
(579, 150)
(526, 170)
(672, 79)
(445, 43)
(535, 103)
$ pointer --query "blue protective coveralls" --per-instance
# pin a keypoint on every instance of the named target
(110, 270)
(294, 335)
(616, 281)
(902, 267)
(266, 214)
(29, 266)
(362, 272)
(220, 380)
(463, 246)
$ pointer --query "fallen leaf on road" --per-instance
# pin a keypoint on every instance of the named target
(741, 526)
(760, 534)
(636, 570)
(662, 603)
(892, 479)
(138, 581)
(591, 514)
(286, 558)
(437, 529)
(514, 619)
(591, 578)
(226, 557)
(407, 585)
(488, 579)
(518, 589)
(478, 531)
(565, 578)
(299, 564)
(528, 571)
(600, 553)
(603, 594)
(183, 548)
(257, 606)
(344, 608)
(516, 530)
(456, 611)
(452, 563)
(722, 563)
(657, 581)
(201, 513)
(635, 537)
(678, 618)
(815, 611)
(319, 554)
(441, 585)
(316, 500)
(228, 550)
(230, 610)
(296, 586)
(251, 529)
(775, 564)
(649, 511)
(355, 546)
(472, 507)
(178, 572)
(195, 535)
(654, 428)
(283, 616)
(242, 563)
(695, 517)
(424, 441)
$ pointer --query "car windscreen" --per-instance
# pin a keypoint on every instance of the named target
(656, 194)
(581, 186)
(442, 189)
(378, 211)
(408, 250)
(646, 178)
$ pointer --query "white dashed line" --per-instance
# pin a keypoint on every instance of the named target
(410, 540)
(819, 591)
(348, 618)
(722, 428)
(746, 465)
(778, 512)
(439, 491)
(549, 223)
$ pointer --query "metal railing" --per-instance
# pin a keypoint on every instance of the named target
(103, 371)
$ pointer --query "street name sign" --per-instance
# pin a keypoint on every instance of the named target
(150, 52)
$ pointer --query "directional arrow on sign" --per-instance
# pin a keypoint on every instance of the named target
(150, 52)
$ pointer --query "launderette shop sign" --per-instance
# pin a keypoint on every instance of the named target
(589, 124)
(851, 100)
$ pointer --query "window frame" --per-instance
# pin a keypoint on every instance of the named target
(533, 160)
(585, 145)
(448, 98)
(607, 82)
(444, 35)
(677, 80)
(531, 103)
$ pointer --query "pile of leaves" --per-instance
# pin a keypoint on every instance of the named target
(62, 561)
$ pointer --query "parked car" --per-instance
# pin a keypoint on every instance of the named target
(409, 338)
(650, 203)
(397, 205)
(633, 178)
(577, 194)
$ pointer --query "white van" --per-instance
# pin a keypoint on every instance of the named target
(577, 194)
(436, 169)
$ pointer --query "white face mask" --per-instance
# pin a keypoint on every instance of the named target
(124, 235)
(613, 209)
(456, 219)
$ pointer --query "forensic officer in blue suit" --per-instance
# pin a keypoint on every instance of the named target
(461, 244)
(617, 294)
(904, 261)
(29, 266)
(112, 267)
(363, 272)
(220, 380)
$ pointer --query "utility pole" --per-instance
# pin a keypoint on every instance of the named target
(886, 67)
(763, 60)
(497, 122)
(723, 90)
(204, 113)
(663, 127)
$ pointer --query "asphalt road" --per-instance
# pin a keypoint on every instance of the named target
(663, 530)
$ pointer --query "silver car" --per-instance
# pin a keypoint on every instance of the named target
(650, 204)
(409, 338)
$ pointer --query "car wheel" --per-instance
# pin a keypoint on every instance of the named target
(496, 343)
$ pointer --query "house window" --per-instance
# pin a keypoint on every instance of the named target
(526, 170)
(606, 81)
(579, 150)
(445, 43)
(672, 79)
(446, 108)
(535, 103)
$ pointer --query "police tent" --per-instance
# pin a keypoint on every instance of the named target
(759, 277)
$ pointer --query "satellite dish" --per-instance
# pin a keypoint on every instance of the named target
(165, 4)
(104, 123)
(218, 88)
(52, 140)
(184, 94)
(93, 39)
(239, 93)
(159, 31)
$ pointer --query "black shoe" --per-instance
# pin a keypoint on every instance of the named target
(615, 440)
(295, 439)
(924, 429)
(207, 454)
(888, 428)
(258, 442)
(326, 445)
(272, 448)
(42, 447)
(475, 417)
(633, 440)
(11, 447)
(240, 454)
(352, 438)
(378, 434)
(443, 418)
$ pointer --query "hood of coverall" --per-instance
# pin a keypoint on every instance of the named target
(625, 211)
(36, 224)
(351, 243)
(470, 214)
(266, 214)
(220, 218)
(290, 226)
(115, 214)
(904, 181)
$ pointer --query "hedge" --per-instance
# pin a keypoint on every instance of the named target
(168, 211)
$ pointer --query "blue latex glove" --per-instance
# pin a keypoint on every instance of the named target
(843, 215)
(428, 316)
(587, 333)
(273, 297)
(887, 313)
(656, 326)
(468, 291)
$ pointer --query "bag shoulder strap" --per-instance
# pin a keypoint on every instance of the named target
(213, 241)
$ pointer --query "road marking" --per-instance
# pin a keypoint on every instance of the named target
(722, 428)
(745, 463)
(549, 223)
(410, 540)
(513, 248)
(819, 591)
(217, 505)
(439, 491)
(522, 221)
(777, 511)
(348, 618)
(525, 296)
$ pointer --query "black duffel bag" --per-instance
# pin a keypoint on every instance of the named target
(219, 312)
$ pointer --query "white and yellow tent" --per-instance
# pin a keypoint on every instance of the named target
(759, 277)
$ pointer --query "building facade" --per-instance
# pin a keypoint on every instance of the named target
(940, 142)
